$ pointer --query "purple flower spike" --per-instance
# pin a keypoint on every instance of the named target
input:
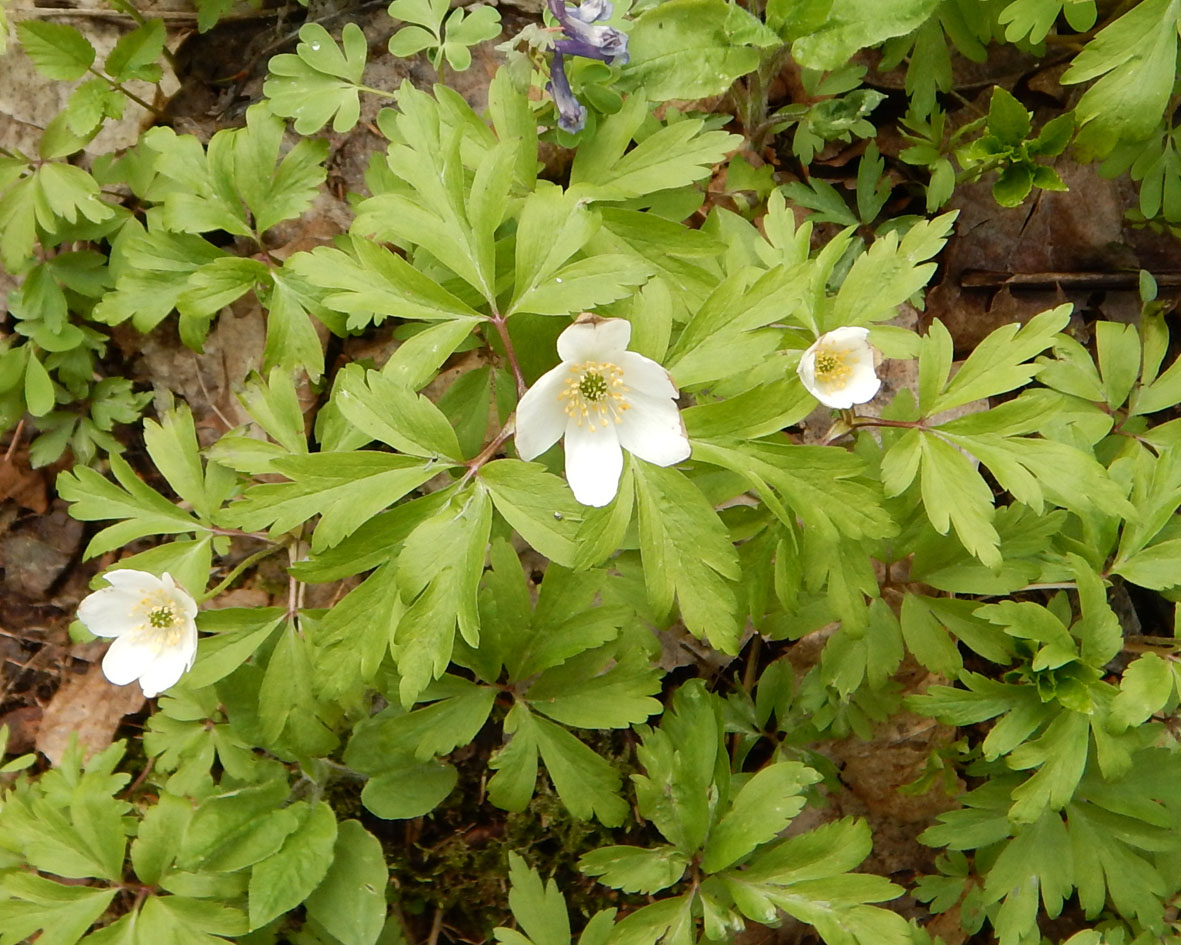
(582, 38)
(571, 113)
(604, 43)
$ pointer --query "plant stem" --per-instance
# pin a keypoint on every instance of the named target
(237, 571)
(501, 324)
(120, 87)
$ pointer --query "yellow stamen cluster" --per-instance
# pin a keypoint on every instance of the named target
(595, 393)
(159, 619)
(832, 367)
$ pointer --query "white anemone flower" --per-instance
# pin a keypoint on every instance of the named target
(604, 399)
(838, 369)
(152, 621)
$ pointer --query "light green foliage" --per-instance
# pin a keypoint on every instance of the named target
(319, 81)
(688, 49)
(1007, 148)
(1133, 60)
(832, 119)
(850, 25)
(522, 678)
(447, 39)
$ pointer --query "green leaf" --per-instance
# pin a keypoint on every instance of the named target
(146, 511)
(596, 690)
(319, 81)
(172, 444)
(292, 341)
(1119, 360)
(1155, 566)
(539, 908)
(1013, 185)
(675, 155)
(537, 504)
(62, 914)
(39, 393)
(58, 51)
(635, 869)
(466, 28)
(237, 828)
(91, 103)
(428, 13)
(439, 572)
(274, 194)
(586, 782)
(1008, 119)
(1134, 59)
(345, 489)
(888, 273)
(350, 902)
(65, 192)
(682, 49)
(437, 729)
(193, 921)
(286, 697)
(584, 284)
(552, 227)
(954, 494)
(353, 638)
(376, 280)
(221, 654)
(1061, 755)
(926, 638)
(410, 40)
(154, 849)
(284, 880)
(151, 270)
(387, 411)
(409, 791)
(763, 807)
(687, 553)
(850, 25)
(683, 760)
(135, 55)
(1146, 686)
(515, 764)
(999, 363)
(18, 224)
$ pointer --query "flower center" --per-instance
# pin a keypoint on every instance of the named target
(595, 392)
(162, 617)
(160, 621)
(832, 368)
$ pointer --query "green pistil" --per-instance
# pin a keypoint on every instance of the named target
(161, 617)
(593, 386)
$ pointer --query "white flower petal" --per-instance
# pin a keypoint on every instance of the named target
(849, 377)
(105, 612)
(863, 388)
(132, 581)
(127, 660)
(646, 376)
(594, 462)
(846, 337)
(653, 431)
(541, 416)
(169, 666)
(595, 339)
(807, 369)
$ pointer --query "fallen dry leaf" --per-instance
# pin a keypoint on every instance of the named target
(26, 487)
(90, 707)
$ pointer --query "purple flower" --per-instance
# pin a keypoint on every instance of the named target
(582, 36)
(571, 113)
